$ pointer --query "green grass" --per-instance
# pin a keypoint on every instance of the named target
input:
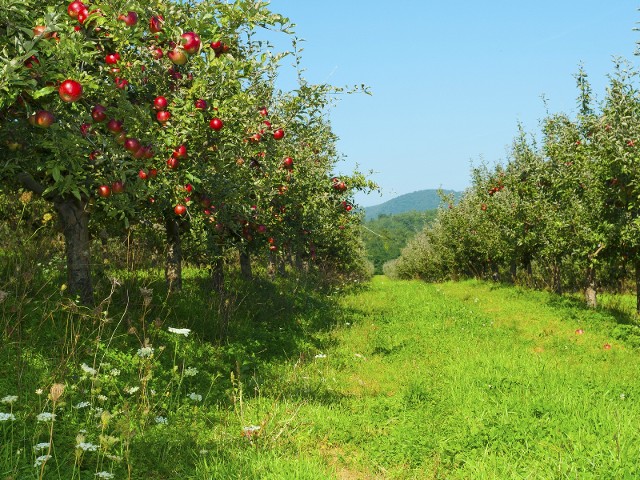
(393, 380)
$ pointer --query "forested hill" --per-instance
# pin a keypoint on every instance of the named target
(420, 201)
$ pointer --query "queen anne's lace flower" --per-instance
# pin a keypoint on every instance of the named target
(40, 460)
(5, 417)
(190, 372)
(41, 446)
(9, 399)
(46, 417)
(145, 352)
(180, 331)
(195, 397)
(105, 475)
(87, 369)
(87, 447)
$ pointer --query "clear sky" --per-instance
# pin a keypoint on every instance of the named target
(450, 80)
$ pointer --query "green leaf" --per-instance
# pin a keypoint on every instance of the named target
(43, 91)
(55, 173)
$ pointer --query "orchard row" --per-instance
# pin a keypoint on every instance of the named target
(563, 213)
(168, 114)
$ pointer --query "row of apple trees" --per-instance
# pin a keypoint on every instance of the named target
(165, 116)
(564, 211)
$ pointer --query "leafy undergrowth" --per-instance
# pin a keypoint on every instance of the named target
(393, 380)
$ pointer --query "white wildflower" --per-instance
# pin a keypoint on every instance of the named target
(4, 417)
(82, 405)
(145, 352)
(321, 355)
(46, 417)
(114, 372)
(39, 391)
(87, 369)
(195, 397)
(40, 460)
(131, 390)
(102, 398)
(113, 458)
(191, 372)
(162, 420)
(180, 331)
(105, 475)
(9, 399)
(87, 447)
(42, 446)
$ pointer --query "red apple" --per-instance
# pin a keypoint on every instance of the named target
(287, 163)
(132, 144)
(114, 126)
(579, 331)
(93, 156)
(607, 346)
(216, 46)
(188, 187)
(180, 152)
(112, 58)
(117, 187)
(157, 53)
(42, 119)
(142, 174)
(121, 83)
(263, 111)
(130, 19)
(163, 116)
(104, 190)
(160, 103)
(70, 91)
(278, 134)
(177, 56)
(191, 42)
(98, 113)
(83, 15)
(216, 124)
(173, 163)
(180, 209)
(201, 104)
(84, 129)
(155, 24)
(75, 8)
(153, 172)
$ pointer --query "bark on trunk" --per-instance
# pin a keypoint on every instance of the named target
(173, 265)
(245, 266)
(590, 293)
(75, 226)
(513, 269)
(217, 274)
(271, 266)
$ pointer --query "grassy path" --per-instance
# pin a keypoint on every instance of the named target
(461, 380)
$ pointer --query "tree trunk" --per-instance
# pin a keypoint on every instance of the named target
(75, 226)
(173, 265)
(271, 265)
(298, 262)
(590, 293)
(245, 265)
(217, 274)
(513, 269)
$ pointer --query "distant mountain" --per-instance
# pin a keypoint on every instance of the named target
(420, 201)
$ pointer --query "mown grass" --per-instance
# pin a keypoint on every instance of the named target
(397, 380)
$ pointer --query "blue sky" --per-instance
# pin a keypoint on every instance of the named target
(451, 80)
